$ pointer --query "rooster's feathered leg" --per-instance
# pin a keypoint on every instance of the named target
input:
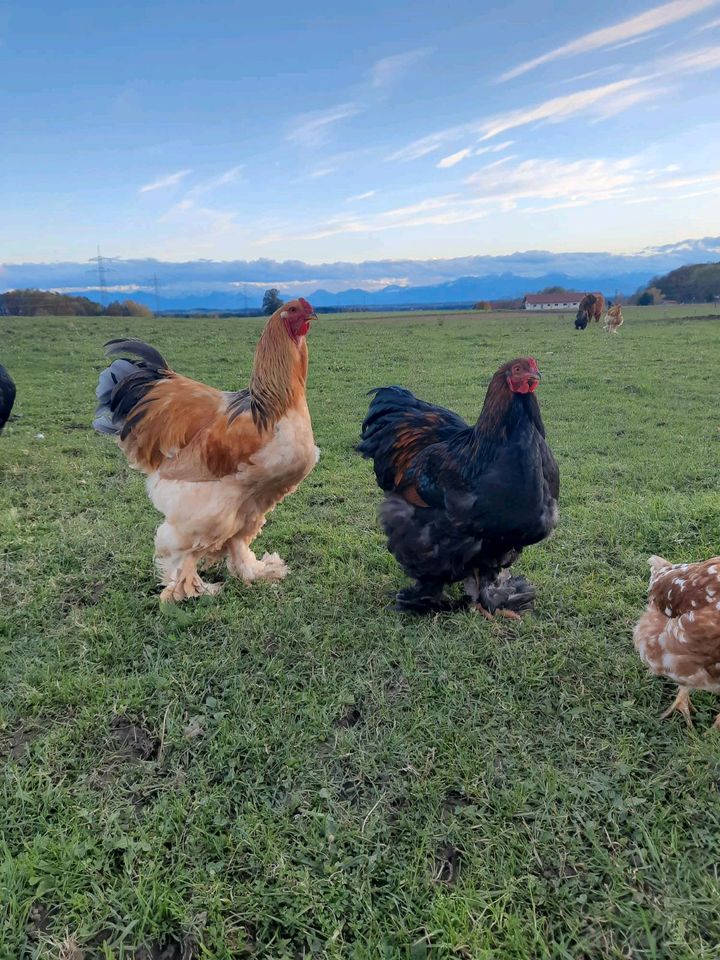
(188, 583)
(177, 564)
(243, 563)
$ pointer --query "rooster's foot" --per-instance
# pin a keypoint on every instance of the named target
(274, 567)
(479, 608)
(682, 704)
(249, 569)
(185, 588)
(507, 614)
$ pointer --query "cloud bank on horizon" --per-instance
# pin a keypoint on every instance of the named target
(433, 136)
(242, 282)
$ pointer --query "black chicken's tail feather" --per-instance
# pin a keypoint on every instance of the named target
(125, 382)
(387, 407)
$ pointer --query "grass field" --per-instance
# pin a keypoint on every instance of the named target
(291, 770)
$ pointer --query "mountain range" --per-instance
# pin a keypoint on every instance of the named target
(238, 284)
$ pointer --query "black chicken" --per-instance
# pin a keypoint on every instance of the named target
(461, 502)
(7, 396)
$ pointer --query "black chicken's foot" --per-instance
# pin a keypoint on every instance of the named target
(508, 597)
(421, 599)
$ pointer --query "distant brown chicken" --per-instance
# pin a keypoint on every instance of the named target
(678, 636)
(590, 308)
(613, 319)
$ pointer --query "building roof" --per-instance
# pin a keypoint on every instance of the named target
(567, 297)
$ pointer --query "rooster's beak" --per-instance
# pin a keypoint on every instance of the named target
(535, 375)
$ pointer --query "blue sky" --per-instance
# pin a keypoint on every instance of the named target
(322, 131)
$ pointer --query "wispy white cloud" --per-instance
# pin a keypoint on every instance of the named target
(710, 25)
(361, 196)
(389, 70)
(309, 129)
(644, 23)
(601, 102)
(586, 75)
(553, 110)
(223, 179)
(188, 214)
(529, 186)
(322, 172)
(169, 181)
(559, 108)
(454, 158)
(632, 42)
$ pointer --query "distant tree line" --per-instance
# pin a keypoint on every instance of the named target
(698, 283)
(695, 283)
(45, 303)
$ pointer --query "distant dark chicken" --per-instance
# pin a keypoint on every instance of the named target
(7, 396)
(462, 502)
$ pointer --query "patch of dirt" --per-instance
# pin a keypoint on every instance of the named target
(76, 426)
(564, 872)
(455, 800)
(271, 646)
(397, 688)
(351, 717)
(102, 939)
(185, 949)
(14, 745)
(39, 920)
(133, 741)
(447, 864)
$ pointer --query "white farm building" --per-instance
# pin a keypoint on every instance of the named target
(552, 301)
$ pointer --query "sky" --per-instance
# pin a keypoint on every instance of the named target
(323, 131)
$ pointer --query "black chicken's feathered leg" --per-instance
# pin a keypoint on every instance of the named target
(422, 597)
(506, 596)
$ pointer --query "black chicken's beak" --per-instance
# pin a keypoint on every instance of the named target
(535, 375)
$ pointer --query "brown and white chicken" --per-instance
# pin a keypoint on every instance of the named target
(216, 461)
(678, 636)
(613, 319)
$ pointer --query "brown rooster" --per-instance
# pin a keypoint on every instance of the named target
(216, 462)
(678, 636)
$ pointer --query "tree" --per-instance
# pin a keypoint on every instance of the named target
(33, 303)
(271, 301)
(649, 297)
(127, 308)
(483, 305)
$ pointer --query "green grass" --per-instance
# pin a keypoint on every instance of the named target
(290, 770)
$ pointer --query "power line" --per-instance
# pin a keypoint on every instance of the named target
(153, 281)
(102, 271)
